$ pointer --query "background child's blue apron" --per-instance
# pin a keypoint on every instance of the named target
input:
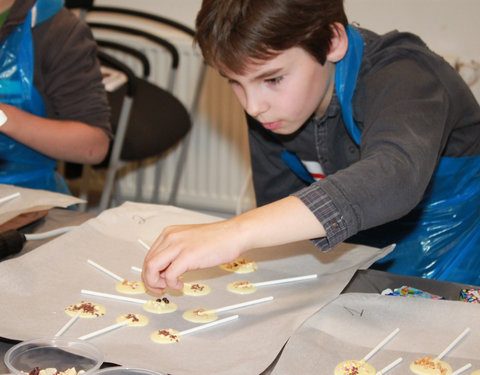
(19, 164)
(440, 238)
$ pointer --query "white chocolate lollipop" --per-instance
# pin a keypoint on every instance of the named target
(158, 306)
(241, 287)
(133, 320)
(246, 287)
(430, 366)
(86, 309)
(361, 367)
(354, 367)
(435, 366)
(240, 265)
(167, 336)
(130, 287)
(196, 289)
(122, 285)
(202, 315)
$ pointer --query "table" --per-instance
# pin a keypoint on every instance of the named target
(364, 281)
(55, 218)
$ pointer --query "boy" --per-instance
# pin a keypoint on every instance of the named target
(53, 105)
(348, 131)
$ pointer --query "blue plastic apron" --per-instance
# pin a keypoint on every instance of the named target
(440, 238)
(19, 164)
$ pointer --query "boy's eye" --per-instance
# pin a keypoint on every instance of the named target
(274, 80)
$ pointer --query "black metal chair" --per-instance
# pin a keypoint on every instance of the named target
(151, 119)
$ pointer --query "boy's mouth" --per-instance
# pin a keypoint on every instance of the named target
(271, 125)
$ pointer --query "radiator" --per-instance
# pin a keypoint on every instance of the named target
(216, 175)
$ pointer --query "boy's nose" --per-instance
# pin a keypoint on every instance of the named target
(255, 106)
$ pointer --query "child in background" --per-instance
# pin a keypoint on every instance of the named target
(353, 136)
(53, 105)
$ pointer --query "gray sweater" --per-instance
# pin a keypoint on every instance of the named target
(412, 108)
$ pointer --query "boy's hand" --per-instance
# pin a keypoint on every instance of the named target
(183, 248)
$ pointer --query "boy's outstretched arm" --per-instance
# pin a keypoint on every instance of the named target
(183, 248)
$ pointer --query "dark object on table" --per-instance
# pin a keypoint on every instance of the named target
(11, 242)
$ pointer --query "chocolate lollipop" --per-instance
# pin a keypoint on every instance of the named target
(435, 366)
(361, 367)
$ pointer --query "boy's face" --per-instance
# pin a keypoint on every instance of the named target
(283, 92)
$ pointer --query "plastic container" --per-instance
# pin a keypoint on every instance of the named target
(126, 371)
(60, 353)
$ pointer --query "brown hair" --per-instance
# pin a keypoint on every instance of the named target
(232, 33)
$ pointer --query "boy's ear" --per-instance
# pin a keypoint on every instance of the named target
(338, 43)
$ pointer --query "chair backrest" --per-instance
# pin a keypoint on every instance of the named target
(157, 119)
(136, 15)
(161, 42)
(193, 105)
(81, 4)
(144, 15)
(140, 56)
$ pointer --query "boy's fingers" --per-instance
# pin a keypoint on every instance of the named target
(173, 272)
(151, 281)
(152, 274)
(161, 269)
(156, 291)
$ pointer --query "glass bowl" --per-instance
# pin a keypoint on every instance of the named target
(120, 370)
(60, 353)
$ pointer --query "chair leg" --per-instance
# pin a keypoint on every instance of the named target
(84, 185)
(107, 189)
(157, 178)
(183, 152)
(115, 162)
(139, 182)
(179, 169)
(116, 198)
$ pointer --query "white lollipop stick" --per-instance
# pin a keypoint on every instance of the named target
(390, 366)
(462, 369)
(137, 269)
(239, 305)
(103, 330)
(113, 296)
(287, 280)
(454, 342)
(68, 325)
(9, 197)
(379, 346)
(103, 269)
(207, 325)
(144, 244)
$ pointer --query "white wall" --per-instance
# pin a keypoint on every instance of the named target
(448, 26)
(183, 11)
